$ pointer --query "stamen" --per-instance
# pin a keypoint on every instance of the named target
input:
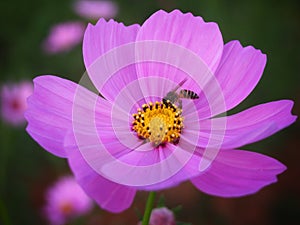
(158, 122)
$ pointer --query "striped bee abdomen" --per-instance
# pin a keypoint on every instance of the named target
(184, 93)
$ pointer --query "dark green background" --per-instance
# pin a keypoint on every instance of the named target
(272, 26)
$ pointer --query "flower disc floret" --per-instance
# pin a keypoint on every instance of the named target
(158, 123)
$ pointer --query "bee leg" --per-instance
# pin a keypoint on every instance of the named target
(180, 104)
(165, 102)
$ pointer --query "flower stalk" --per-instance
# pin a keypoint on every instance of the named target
(149, 207)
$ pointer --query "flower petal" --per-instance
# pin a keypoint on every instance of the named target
(238, 73)
(49, 112)
(107, 54)
(236, 173)
(186, 164)
(204, 39)
(159, 168)
(249, 126)
(105, 36)
(63, 37)
(109, 195)
(51, 109)
(154, 169)
(93, 10)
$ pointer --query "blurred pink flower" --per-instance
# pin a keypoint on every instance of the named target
(93, 9)
(66, 200)
(63, 37)
(161, 216)
(14, 101)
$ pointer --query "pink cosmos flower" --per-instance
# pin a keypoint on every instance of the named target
(14, 101)
(63, 37)
(66, 200)
(161, 216)
(93, 9)
(165, 85)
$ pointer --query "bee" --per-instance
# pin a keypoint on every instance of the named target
(175, 98)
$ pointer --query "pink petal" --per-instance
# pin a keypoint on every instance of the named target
(13, 101)
(162, 216)
(108, 56)
(63, 37)
(236, 173)
(249, 126)
(103, 126)
(105, 36)
(66, 193)
(49, 112)
(238, 73)
(109, 195)
(153, 169)
(51, 108)
(96, 9)
(181, 164)
(186, 30)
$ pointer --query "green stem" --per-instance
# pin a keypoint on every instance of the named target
(149, 207)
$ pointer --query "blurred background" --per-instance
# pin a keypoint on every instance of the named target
(26, 170)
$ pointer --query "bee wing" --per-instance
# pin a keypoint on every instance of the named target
(179, 85)
(172, 95)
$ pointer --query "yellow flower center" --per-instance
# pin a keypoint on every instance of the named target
(158, 123)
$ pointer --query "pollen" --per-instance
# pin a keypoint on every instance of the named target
(158, 122)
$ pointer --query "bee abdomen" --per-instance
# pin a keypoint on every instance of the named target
(184, 93)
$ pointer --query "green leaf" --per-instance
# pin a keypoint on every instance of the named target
(139, 214)
(161, 201)
(177, 209)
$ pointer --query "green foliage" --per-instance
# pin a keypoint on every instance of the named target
(161, 202)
